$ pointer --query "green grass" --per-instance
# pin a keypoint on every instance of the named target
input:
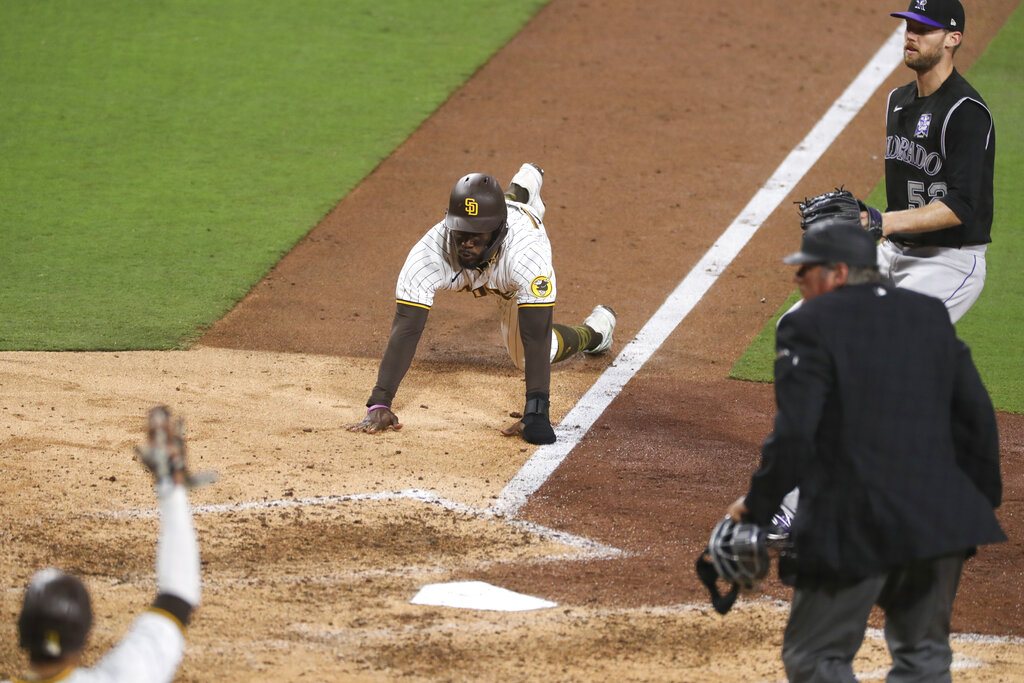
(157, 159)
(757, 362)
(994, 327)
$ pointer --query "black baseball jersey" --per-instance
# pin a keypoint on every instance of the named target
(941, 148)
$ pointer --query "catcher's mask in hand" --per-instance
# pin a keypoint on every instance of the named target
(736, 553)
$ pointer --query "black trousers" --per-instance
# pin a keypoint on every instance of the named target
(827, 621)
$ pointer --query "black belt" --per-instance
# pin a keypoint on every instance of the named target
(910, 243)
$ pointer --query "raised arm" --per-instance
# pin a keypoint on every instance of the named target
(155, 644)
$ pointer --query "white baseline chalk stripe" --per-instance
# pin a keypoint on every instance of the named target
(639, 350)
(592, 549)
(970, 638)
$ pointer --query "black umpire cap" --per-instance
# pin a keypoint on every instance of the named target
(835, 241)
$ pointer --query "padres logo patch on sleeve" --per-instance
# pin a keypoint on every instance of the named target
(541, 286)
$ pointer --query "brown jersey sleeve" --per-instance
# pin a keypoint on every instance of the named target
(406, 330)
(535, 330)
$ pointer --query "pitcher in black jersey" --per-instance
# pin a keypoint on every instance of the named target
(939, 158)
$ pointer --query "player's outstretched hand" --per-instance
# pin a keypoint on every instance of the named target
(378, 419)
(514, 429)
(164, 452)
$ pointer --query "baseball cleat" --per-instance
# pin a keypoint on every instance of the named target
(602, 321)
(528, 178)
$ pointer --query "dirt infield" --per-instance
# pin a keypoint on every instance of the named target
(655, 124)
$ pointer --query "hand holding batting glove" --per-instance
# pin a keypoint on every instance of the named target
(842, 205)
(379, 418)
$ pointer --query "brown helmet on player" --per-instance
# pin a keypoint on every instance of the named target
(477, 205)
(56, 616)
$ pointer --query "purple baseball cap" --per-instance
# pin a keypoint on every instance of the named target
(947, 14)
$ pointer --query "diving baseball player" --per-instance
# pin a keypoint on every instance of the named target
(56, 613)
(490, 243)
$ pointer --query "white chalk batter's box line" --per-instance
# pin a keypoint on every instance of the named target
(590, 550)
(335, 578)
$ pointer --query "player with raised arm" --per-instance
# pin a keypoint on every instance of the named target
(56, 613)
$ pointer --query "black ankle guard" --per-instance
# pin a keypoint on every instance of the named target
(536, 404)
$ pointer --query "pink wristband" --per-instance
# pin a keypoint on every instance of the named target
(379, 405)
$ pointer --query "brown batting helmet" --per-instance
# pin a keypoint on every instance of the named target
(477, 204)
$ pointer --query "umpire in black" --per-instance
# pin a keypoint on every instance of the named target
(886, 428)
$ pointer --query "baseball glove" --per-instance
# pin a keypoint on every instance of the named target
(164, 454)
(839, 204)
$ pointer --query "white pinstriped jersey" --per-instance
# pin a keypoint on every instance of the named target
(149, 653)
(521, 270)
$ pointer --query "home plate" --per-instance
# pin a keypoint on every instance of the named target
(477, 595)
